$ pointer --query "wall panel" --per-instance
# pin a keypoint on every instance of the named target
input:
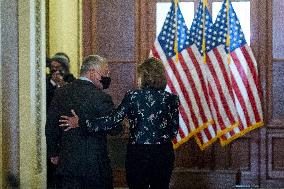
(277, 89)
(275, 154)
(109, 30)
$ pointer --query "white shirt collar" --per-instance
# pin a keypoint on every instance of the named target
(85, 79)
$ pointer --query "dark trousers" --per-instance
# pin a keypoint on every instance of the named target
(53, 180)
(69, 182)
(149, 166)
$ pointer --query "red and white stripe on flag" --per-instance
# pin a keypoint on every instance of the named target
(221, 93)
(186, 79)
(247, 93)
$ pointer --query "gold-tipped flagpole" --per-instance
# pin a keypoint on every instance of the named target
(228, 40)
(176, 30)
(203, 31)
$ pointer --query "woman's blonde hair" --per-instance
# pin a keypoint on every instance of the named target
(152, 74)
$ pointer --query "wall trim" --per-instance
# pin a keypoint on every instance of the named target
(32, 93)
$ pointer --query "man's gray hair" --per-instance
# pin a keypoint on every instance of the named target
(92, 61)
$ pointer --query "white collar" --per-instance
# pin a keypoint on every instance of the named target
(85, 79)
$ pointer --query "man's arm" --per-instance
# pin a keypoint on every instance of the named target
(113, 121)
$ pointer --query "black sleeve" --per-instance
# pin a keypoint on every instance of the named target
(113, 121)
(49, 92)
(52, 130)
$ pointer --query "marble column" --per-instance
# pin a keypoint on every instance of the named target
(10, 93)
(22, 80)
(32, 93)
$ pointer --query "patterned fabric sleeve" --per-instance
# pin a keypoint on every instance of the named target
(174, 115)
(110, 122)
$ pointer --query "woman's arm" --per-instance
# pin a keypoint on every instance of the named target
(174, 115)
(114, 120)
(106, 123)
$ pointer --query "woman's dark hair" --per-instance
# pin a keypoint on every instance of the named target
(63, 59)
(152, 74)
(63, 54)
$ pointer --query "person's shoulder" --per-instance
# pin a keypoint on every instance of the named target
(171, 96)
(80, 85)
(100, 95)
(69, 78)
(103, 93)
(131, 95)
(67, 88)
(134, 93)
(71, 85)
(63, 88)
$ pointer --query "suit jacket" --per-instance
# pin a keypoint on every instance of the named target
(50, 89)
(81, 153)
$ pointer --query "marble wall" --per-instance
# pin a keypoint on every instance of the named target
(10, 89)
(22, 81)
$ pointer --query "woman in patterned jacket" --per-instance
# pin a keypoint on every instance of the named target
(153, 117)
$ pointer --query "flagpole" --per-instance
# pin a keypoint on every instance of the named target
(176, 30)
(228, 40)
(203, 31)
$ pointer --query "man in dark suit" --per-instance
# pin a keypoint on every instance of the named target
(59, 66)
(82, 157)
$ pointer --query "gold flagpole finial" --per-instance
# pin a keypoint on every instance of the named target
(205, 2)
(176, 2)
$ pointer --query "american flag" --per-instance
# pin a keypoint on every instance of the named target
(201, 22)
(243, 72)
(220, 87)
(185, 77)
